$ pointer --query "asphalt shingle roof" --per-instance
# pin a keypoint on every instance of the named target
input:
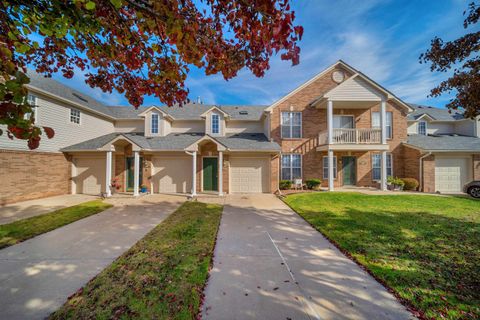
(435, 113)
(444, 142)
(179, 141)
(57, 88)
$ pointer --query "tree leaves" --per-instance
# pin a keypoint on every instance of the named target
(140, 47)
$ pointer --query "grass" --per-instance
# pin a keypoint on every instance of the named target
(161, 277)
(426, 248)
(24, 229)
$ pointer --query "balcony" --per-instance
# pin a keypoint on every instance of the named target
(352, 136)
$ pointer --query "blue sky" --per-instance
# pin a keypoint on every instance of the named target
(381, 38)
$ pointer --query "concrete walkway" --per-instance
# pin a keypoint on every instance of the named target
(38, 275)
(30, 208)
(270, 264)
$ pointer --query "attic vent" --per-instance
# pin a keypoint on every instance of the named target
(243, 112)
(79, 97)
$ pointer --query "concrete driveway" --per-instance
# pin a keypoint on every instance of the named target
(38, 275)
(270, 264)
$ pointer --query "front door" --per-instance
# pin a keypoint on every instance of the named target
(210, 174)
(349, 171)
(130, 165)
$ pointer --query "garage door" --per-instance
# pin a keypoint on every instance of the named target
(249, 175)
(90, 175)
(172, 175)
(451, 173)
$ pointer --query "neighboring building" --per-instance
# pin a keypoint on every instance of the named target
(442, 150)
(340, 126)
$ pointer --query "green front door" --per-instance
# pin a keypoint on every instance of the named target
(210, 174)
(349, 171)
(130, 164)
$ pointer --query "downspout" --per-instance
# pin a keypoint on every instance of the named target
(278, 174)
(421, 169)
(193, 187)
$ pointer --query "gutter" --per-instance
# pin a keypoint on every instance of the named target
(421, 168)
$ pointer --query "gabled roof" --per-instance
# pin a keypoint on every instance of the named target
(355, 72)
(155, 108)
(252, 142)
(53, 88)
(212, 109)
(444, 143)
(436, 114)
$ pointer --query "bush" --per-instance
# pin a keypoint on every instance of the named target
(313, 183)
(395, 181)
(410, 183)
(285, 184)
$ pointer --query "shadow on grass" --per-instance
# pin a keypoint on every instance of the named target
(429, 259)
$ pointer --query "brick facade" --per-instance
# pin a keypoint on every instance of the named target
(314, 121)
(28, 175)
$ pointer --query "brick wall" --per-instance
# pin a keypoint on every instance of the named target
(314, 121)
(476, 167)
(30, 175)
(429, 174)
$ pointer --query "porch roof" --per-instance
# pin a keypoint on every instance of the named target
(179, 141)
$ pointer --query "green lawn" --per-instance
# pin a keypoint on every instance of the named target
(22, 230)
(426, 248)
(160, 277)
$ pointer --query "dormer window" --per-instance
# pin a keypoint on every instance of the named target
(422, 128)
(154, 124)
(215, 124)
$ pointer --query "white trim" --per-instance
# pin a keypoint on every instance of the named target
(220, 146)
(75, 116)
(291, 125)
(165, 115)
(426, 127)
(291, 167)
(226, 115)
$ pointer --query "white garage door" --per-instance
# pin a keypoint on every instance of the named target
(451, 173)
(172, 175)
(249, 175)
(90, 175)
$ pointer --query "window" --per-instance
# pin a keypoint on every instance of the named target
(342, 122)
(75, 116)
(376, 123)
(325, 167)
(377, 166)
(215, 123)
(291, 166)
(32, 101)
(422, 128)
(154, 124)
(291, 124)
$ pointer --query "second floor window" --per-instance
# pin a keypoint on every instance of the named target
(291, 123)
(291, 166)
(377, 166)
(422, 128)
(215, 124)
(75, 116)
(154, 126)
(389, 123)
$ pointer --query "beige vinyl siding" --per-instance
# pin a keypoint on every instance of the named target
(56, 115)
(440, 127)
(465, 127)
(184, 126)
(244, 126)
(137, 125)
(354, 89)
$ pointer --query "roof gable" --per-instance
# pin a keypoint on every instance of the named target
(355, 89)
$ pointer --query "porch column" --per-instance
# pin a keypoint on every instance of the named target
(108, 174)
(383, 121)
(136, 172)
(383, 182)
(220, 173)
(330, 170)
(194, 173)
(330, 121)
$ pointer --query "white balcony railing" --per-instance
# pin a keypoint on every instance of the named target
(352, 136)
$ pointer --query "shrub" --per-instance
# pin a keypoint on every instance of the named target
(410, 183)
(395, 181)
(313, 183)
(285, 184)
